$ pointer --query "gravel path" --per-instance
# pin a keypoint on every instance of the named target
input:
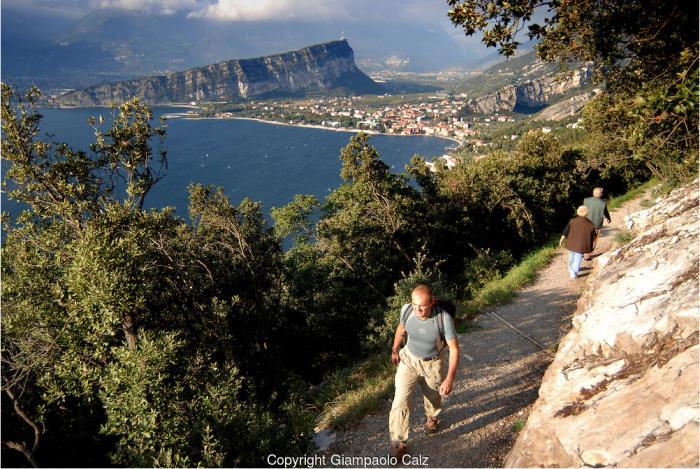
(499, 375)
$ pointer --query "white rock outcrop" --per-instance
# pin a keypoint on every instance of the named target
(530, 94)
(623, 389)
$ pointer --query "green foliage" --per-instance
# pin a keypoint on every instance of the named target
(651, 131)
(132, 334)
(617, 201)
(517, 199)
(484, 268)
(50, 177)
(626, 40)
(665, 121)
(367, 223)
(645, 51)
(295, 218)
(350, 393)
(623, 237)
(501, 290)
(517, 426)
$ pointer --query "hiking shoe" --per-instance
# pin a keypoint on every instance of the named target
(431, 425)
(398, 449)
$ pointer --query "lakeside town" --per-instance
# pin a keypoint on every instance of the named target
(436, 115)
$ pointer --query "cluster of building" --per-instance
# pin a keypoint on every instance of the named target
(436, 115)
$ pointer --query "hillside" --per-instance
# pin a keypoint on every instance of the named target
(323, 68)
(526, 84)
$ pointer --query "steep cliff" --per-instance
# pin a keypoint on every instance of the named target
(623, 388)
(567, 108)
(323, 68)
(530, 95)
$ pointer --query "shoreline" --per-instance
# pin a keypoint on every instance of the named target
(320, 127)
(187, 115)
(341, 129)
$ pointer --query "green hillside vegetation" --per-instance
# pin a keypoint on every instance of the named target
(132, 337)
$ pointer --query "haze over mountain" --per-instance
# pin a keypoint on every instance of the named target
(83, 43)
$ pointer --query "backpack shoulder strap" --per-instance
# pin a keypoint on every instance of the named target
(406, 312)
(441, 324)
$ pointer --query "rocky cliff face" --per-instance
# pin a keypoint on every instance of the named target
(530, 95)
(566, 108)
(320, 68)
(623, 388)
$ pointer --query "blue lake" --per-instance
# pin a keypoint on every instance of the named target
(266, 162)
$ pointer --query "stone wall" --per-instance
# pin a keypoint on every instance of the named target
(623, 388)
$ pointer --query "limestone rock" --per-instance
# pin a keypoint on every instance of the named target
(529, 95)
(623, 388)
(318, 68)
(567, 108)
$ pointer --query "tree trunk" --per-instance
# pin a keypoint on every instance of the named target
(130, 330)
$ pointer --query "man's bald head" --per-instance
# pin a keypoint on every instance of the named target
(598, 192)
(422, 289)
(422, 300)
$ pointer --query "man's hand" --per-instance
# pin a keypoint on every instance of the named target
(446, 387)
(395, 357)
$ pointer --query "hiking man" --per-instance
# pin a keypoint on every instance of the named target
(421, 362)
(579, 234)
(597, 209)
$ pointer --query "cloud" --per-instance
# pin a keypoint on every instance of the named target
(66, 8)
(358, 10)
(265, 10)
(417, 11)
(161, 7)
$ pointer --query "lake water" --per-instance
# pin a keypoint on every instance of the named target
(266, 162)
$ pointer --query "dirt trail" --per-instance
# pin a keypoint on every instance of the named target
(499, 376)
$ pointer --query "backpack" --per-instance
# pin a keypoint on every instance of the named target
(444, 306)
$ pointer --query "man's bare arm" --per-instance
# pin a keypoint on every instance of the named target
(446, 386)
(398, 338)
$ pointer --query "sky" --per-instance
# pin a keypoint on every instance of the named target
(427, 11)
(427, 14)
(411, 35)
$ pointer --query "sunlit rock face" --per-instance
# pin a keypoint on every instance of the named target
(316, 69)
(530, 95)
(623, 388)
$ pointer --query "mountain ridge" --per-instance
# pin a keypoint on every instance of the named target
(321, 68)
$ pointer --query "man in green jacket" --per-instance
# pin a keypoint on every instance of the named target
(597, 210)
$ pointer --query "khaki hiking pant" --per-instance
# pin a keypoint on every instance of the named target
(428, 375)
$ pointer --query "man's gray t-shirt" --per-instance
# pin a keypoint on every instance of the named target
(424, 334)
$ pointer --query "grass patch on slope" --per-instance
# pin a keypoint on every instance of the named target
(352, 393)
(503, 289)
(617, 201)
